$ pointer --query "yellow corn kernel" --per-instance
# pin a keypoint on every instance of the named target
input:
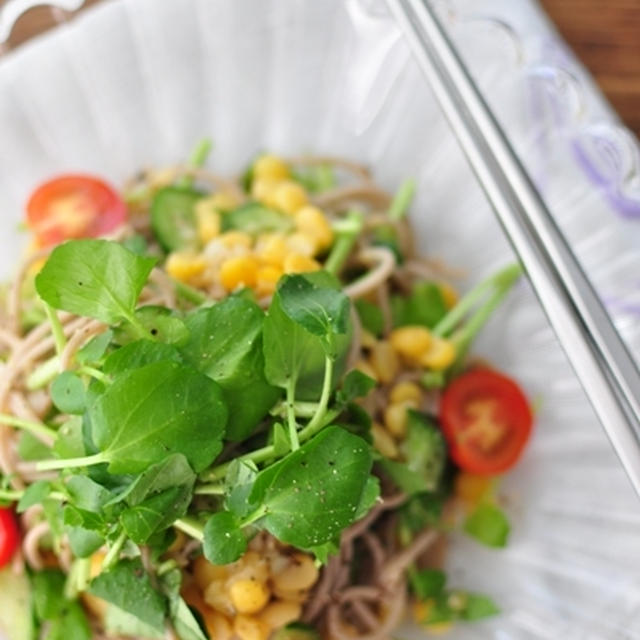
(249, 628)
(249, 596)
(217, 596)
(271, 167)
(95, 563)
(271, 249)
(396, 418)
(383, 442)
(297, 263)
(178, 543)
(267, 279)
(302, 243)
(185, 266)
(449, 294)
(264, 190)
(232, 239)
(300, 573)
(280, 613)
(421, 609)
(367, 339)
(218, 626)
(440, 354)
(364, 366)
(224, 200)
(411, 342)
(289, 196)
(439, 628)
(405, 390)
(313, 222)
(207, 220)
(471, 488)
(238, 271)
(384, 361)
(204, 573)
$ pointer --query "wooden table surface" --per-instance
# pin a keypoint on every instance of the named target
(605, 34)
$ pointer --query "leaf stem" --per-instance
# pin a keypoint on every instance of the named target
(94, 373)
(252, 517)
(43, 374)
(56, 328)
(190, 294)
(316, 423)
(197, 158)
(209, 490)
(402, 200)
(348, 231)
(114, 551)
(258, 455)
(36, 428)
(70, 463)
(9, 495)
(191, 527)
(300, 408)
(166, 566)
(505, 277)
(291, 416)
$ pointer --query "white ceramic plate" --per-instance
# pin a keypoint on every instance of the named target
(136, 82)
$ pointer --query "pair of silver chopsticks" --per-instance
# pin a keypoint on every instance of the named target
(599, 357)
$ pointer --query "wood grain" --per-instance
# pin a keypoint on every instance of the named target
(605, 34)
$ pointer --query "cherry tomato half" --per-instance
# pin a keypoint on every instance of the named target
(73, 206)
(9, 536)
(486, 420)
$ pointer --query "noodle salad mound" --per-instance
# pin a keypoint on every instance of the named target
(243, 408)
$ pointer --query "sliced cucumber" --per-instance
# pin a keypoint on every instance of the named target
(255, 218)
(16, 619)
(173, 218)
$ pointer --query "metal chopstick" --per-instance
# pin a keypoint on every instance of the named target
(598, 355)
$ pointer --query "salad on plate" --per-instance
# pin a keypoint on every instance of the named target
(243, 408)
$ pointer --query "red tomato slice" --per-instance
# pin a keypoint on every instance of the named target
(486, 420)
(73, 206)
(9, 536)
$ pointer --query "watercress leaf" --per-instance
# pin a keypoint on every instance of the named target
(68, 393)
(478, 606)
(53, 513)
(427, 583)
(314, 492)
(355, 385)
(226, 344)
(156, 513)
(93, 351)
(370, 316)
(138, 354)
(34, 494)
(355, 419)
(119, 622)
(255, 218)
(324, 551)
(95, 278)
(161, 323)
(173, 471)
(127, 586)
(224, 541)
(322, 311)
(162, 408)
(183, 620)
(292, 352)
(87, 494)
(280, 440)
(238, 484)
(425, 305)
(136, 243)
(30, 448)
(425, 455)
(70, 440)
(84, 530)
(421, 510)
(47, 588)
(369, 497)
(489, 525)
(71, 624)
